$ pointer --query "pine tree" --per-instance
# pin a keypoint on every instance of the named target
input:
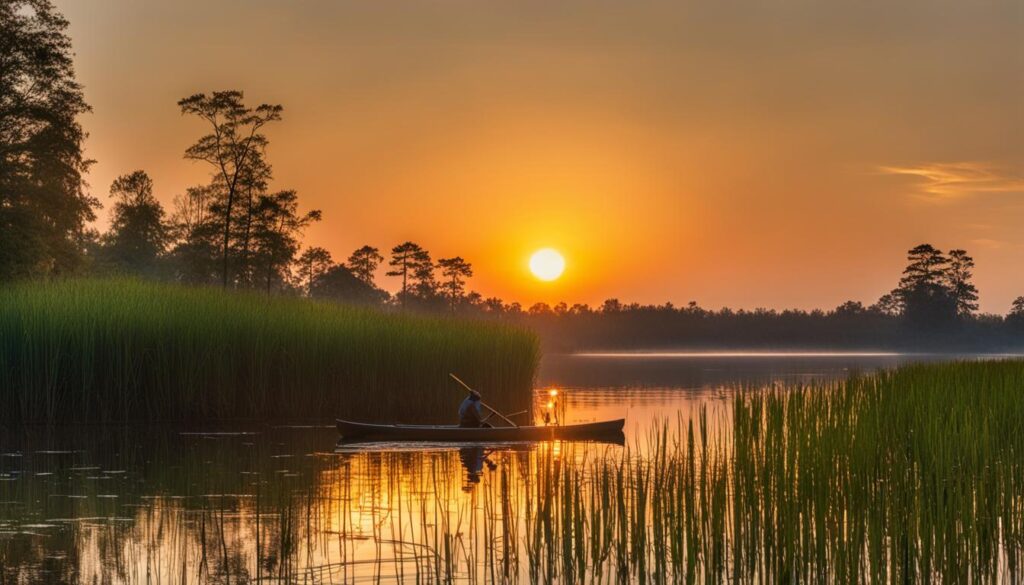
(408, 260)
(958, 281)
(363, 263)
(455, 272)
(233, 148)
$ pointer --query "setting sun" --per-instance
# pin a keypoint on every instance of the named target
(547, 264)
(418, 249)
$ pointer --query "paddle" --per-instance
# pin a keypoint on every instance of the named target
(482, 403)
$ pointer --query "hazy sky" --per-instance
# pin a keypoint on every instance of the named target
(779, 154)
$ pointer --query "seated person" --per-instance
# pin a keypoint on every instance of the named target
(471, 412)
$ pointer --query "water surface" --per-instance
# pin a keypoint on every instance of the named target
(284, 504)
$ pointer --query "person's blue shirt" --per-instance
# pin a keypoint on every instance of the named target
(470, 412)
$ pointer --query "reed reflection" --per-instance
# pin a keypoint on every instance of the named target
(833, 483)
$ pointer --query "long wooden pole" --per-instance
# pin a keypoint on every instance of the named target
(482, 403)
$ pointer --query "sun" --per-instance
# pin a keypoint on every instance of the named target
(547, 264)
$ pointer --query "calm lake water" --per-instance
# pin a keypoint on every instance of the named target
(285, 504)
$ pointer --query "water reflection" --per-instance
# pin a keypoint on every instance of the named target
(473, 460)
(99, 505)
(650, 388)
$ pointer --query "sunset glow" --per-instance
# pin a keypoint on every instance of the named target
(547, 264)
(679, 154)
(388, 290)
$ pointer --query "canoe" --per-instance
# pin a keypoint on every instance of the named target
(596, 431)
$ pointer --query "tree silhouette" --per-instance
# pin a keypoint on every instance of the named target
(363, 263)
(1016, 316)
(339, 284)
(408, 260)
(455, 272)
(313, 263)
(925, 267)
(424, 285)
(493, 305)
(253, 183)
(580, 309)
(926, 299)
(850, 309)
(234, 147)
(194, 230)
(138, 235)
(888, 304)
(43, 202)
(540, 310)
(958, 281)
(611, 306)
(1017, 307)
(277, 225)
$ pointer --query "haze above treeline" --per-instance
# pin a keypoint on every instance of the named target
(241, 230)
(783, 156)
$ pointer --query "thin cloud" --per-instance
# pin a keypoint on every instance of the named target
(987, 243)
(945, 181)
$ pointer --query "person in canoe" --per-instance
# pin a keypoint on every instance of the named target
(471, 412)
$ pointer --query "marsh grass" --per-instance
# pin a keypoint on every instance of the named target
(124, 350)
(911, 476)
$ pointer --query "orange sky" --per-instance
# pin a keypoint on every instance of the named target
(746, 154)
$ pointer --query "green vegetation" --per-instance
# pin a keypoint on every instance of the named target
(909, 476)
(124, 350)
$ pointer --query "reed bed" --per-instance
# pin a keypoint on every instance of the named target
(124, 350)
(910, 476)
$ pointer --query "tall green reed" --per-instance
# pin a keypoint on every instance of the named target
(116, 350)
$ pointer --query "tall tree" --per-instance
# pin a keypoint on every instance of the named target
(138, 234)
(363, 263)
(313, 263)
(924, 295)
(424, 285)
(407, 260)
(958, 281)
(233, 148)
(926, 266)
(43, 202)
(455, 272)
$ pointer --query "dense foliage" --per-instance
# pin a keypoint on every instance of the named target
(43, 203)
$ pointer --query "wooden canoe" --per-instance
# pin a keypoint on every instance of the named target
(596, 431)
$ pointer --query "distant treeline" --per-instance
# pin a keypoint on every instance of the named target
(933, 307)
